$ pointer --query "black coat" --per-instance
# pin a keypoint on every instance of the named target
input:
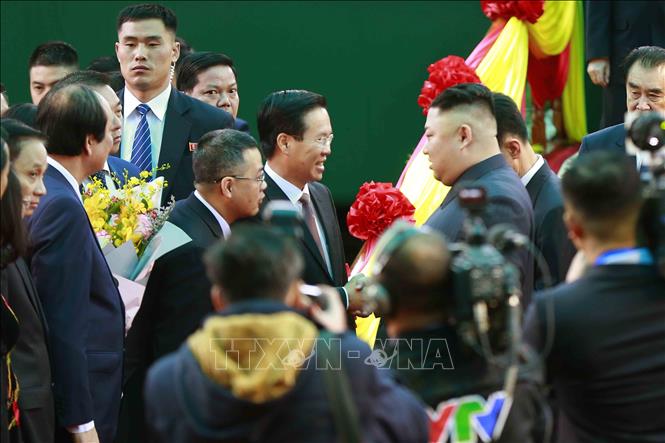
(176, 299)
(551, 239)
(30, 356)
(507, 202)
(607, 359)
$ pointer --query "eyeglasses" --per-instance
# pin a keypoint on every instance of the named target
(259, 179)
(323, 140)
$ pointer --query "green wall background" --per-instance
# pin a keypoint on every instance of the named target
(368, 58)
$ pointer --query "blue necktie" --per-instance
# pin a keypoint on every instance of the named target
(142, 146)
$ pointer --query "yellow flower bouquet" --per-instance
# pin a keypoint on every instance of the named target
(133, 232)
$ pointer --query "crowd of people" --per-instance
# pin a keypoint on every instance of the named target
(227, 346)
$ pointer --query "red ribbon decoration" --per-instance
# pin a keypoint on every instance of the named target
(525, 10)
(447, 72)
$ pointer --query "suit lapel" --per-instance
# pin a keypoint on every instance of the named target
(274, 192)
(174, 140)
(204, 214)
(327, 218)
(537, 181)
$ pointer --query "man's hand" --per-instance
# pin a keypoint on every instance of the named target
(333, 317)
(354, 289)
(599, 71)
(86, 437)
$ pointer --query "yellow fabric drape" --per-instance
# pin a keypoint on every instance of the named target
(573, 99)
(504, 67)
(551, 33)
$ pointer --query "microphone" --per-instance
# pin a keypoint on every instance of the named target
(504, 237)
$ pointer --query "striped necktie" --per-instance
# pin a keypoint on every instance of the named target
(142, 146)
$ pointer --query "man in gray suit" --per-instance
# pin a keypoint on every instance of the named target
(463, 151)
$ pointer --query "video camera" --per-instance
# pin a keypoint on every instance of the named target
(647, 134)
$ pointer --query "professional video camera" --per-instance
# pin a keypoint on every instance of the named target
(647, 134)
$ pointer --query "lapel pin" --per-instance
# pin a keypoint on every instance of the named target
(192, 146)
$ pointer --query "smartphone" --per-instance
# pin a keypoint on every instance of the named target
(315, 293)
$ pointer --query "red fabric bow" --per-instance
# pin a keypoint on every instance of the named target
(376, 207)
(526, 10)
(447, 72)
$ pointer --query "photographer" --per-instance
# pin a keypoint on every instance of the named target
(258, 370)
(465, 393)
(603, 335)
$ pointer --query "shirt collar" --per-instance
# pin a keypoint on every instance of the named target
(226, 229)
(526, 178)
(157, 105)
(68, 175)
(291, 190)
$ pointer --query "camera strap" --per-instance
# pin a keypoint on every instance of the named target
(338, 391)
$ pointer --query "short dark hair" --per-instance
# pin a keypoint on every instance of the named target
(416, 274)
(649, 57)
(284, 111)
(190, 66)
(104, 64)
(146, 11)
(16, 132)
(469, 94)
(54, 53)
(13, 237)
(23, 112)
(604, 187)
(219, 153)
(255, 262)
(92, 79)
(68, 115)
(508, 118)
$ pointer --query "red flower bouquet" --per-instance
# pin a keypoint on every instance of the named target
(447, 72)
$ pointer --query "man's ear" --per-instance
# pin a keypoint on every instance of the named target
(90, 143)
(465, 135)
(176, 51)
(283, 143)
(513, 147)
(227, 186)
(219, 302)
(293, 297)
(576, 231)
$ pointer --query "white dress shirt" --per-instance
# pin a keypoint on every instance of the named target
(294, 194)
(68, 175)
(155, 118)
(226, 229)
(526, 178)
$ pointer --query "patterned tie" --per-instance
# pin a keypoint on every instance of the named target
(142, 146)
(308, 214)
(101, 176)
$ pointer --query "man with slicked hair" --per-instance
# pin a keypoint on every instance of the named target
(229, 181)
(50, 62)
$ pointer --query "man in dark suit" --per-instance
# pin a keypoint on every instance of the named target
(296, 138)
(613, 29)
(211, 77)
(603, 335)
(645, 89)
(463, 151)
(551, 235)
(83, 308)
(161, 125)
(229, 180)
